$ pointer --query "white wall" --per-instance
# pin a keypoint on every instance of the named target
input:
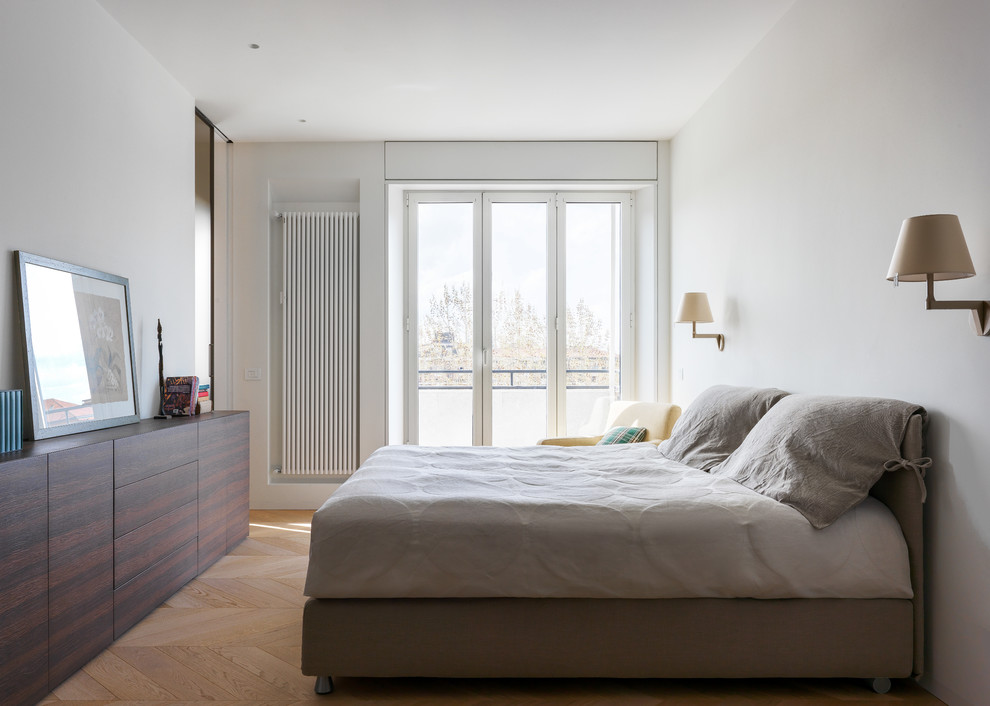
(662, 295)
(789, 188)
(96, 169)
(264, 174)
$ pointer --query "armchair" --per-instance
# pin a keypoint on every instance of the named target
(657, 417)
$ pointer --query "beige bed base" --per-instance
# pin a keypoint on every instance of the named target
(632, 638)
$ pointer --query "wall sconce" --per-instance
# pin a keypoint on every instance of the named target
(695, 309)
(933, 248)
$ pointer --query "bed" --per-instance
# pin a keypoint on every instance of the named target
(705, 557)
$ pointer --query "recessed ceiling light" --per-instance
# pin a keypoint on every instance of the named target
(254, 46)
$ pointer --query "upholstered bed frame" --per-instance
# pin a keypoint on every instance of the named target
(666, 638)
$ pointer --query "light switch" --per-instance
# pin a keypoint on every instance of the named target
(252, 373)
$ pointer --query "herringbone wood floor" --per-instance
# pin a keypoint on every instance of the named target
(232, 637)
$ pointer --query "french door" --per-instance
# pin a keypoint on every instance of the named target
(515, 314)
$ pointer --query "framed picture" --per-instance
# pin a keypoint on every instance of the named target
(79, 347)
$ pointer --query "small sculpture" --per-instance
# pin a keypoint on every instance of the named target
(161, 378)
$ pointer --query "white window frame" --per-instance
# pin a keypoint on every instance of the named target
(495, 197)
(556, 299)
(411, 313)
(625, 326)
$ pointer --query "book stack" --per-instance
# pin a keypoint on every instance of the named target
(205, 403)
(180, 396)
(11, 431)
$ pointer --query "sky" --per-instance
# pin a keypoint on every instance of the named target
(519, 252)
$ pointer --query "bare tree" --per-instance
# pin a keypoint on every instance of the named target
(519, 341)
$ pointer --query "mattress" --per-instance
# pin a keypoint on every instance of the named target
(584, 522)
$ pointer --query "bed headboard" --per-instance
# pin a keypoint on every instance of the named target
(904, 495)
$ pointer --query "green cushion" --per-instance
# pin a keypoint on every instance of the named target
(623, 435)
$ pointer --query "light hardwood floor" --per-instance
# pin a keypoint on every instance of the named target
(232, 637)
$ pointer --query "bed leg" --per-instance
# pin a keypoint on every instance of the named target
(324, 685)
(880, 685)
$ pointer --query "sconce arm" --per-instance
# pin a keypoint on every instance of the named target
(719, 338)
(980, 309)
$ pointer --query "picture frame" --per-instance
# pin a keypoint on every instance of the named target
(78, 347)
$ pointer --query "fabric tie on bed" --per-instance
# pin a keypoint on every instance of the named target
(918, 465)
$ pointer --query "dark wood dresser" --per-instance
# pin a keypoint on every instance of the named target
(98, 529)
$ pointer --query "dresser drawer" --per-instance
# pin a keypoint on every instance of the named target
(145, 592)
(144, 455)
(24, 580)
(223, 485)
(138, 550)
(139, 503)
(80, 557)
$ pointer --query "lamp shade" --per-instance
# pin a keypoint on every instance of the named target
(694, 307)
(931, 245)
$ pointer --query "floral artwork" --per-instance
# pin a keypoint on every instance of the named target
(103, 345)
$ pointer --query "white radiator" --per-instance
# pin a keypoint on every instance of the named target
(319, 343)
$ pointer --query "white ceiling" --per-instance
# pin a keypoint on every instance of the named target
(448, 69)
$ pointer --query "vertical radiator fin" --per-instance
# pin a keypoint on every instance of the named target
(319, 343)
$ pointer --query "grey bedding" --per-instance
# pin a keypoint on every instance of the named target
(584, 522)
(821, 454)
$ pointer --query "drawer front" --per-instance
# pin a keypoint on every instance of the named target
(24, 580)
(223, 464)
(238, 509)
(145, 455)
(80, 563)
(139, 503)
(147, 591)
(137, 551)
(212, 520)
(225, 445)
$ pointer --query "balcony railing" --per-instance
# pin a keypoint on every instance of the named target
(56, 415)
(512, 373)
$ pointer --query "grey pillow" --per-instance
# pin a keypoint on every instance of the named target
(819, 454)
(715, 424)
